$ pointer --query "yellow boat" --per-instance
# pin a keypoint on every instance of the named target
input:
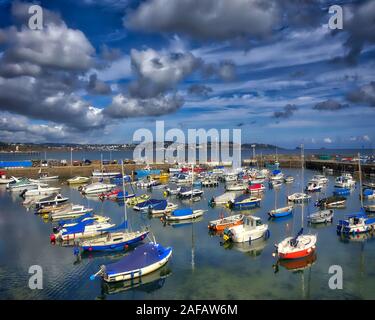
(135, 200)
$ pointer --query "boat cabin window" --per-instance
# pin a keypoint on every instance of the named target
(259, 223)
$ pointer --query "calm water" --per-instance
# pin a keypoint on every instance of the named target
(200, 267)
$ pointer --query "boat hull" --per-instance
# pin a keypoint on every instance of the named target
(139, 272)
(116, 246)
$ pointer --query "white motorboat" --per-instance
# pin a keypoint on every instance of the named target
(21, 184)
(319, 178)
(289, 179)
(41, 191)
(314, 186)
(45, 177)
(51, 200)
(299, 197)
(97, 188)
(345, 181)
(252, 228)
(236, 186)
(78, 180)
(104, 174)
(188, 193)
(163, 209)
(322, 216)
(71, 212)
(356, 223)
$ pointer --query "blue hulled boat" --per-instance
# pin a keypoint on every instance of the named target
(244, 201)
(143, 260)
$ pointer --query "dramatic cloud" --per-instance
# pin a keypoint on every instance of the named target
(96, 86)
(200, 90)
(364, 94)
(157, 72)
(126, 107)
(330, 105)
(209, 19)
(288, 111)
(359, 23)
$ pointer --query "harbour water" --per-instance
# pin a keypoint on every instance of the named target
(200, 268)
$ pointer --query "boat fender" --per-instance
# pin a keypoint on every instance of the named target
(76, 251)
(52, 238)
(267, 234)
(90, 249)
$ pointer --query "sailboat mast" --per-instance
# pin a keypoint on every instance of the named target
(192, 180)
(123, 193)
(360, 179)
(302, 182)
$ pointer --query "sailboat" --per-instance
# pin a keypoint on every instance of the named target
(299, 197)
(114, 239)
(300, 246)
(280, 212)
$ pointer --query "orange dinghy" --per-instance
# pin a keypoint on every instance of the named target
(225, 222)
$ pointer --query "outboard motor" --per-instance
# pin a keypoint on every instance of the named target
(22, 194)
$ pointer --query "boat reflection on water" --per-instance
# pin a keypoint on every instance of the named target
(148, 283)
(253, 250)
(296, 265)
(358, 237)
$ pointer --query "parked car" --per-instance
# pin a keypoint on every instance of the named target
(63, 162)
(87, 162)
(77, 163)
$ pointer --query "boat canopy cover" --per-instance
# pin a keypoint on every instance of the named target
(150, 202)
(142, 256)
(275, 172)
(182, 212)
(161, 205)
(77, 220)
(368, 192)
(78, 228)
(242, 197)
(370, 221)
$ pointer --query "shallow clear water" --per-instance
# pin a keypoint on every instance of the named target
(200, 267)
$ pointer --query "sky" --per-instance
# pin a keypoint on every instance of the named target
(101, 69)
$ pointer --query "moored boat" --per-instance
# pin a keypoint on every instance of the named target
(251, 229)
(296, 247)
(322, 216)
(97, 188)
(141, 261)
(281, 212)
(244, 201)
(78, 180)
(299, 197)
(184, 214)
(225, 222)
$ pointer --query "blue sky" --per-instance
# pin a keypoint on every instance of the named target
(99, 70)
